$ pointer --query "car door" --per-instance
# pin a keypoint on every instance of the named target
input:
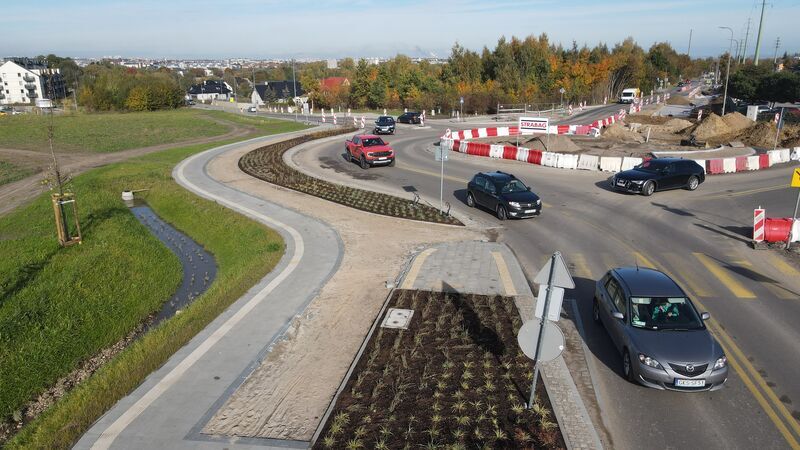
(616, 302)
(491, 195)
(481, 197)
(671, 177)
(356, 148)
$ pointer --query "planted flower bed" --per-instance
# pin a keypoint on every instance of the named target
(455, 379)
(266, 163)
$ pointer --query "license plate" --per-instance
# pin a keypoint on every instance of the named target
(690, 383)
(381, 159)
(530, 211)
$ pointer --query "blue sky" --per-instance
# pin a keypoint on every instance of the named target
(359, 28)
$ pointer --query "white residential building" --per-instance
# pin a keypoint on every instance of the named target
(24, 81)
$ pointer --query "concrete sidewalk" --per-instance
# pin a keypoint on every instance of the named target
(173, 404)
(489, 268)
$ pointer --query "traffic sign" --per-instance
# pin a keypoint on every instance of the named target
(440, 153)
(796, 178)
(461, 100)
(554, 307)
(562, 90)
(552, 341)
(561, 275)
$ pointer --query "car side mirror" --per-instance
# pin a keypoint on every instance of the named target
(528, 188)
(385, 143)
(618, 315)
(705, 316)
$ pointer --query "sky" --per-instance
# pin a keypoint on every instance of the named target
(358, 28)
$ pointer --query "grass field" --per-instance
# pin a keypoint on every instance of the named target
(257, 122)
(59, 306)
(108, 132)
(10, 172)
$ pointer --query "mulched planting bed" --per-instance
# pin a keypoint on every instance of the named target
(455, 379)
(266, 163)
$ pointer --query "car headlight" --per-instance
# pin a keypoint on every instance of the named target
(637, 181)
(722, 361)
(514, 205)
(648, 361)
(539, 202)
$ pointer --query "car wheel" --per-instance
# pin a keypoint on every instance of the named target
(364, 164)
(501, 213)
(648, 189)
(596, 311)
(391, 164)
(470, 200)
(627, 366)
(349, 155)
(693, 183)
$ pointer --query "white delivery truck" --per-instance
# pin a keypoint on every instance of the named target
(629, 95)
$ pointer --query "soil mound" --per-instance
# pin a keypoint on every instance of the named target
(679, 100)
(711, 127)
(557, 143)
(737, 121)
(646, 119)
(761, 134)
(619, 132)
(677, 125)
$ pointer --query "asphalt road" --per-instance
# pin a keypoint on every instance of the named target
(700, 238)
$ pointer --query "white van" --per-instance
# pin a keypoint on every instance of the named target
(629, 95)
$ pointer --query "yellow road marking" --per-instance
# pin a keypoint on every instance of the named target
(687, 276)
(581, 267)
(775, 289)
(784, 267)
(609, 261)
(411, 277)
(643, 261)
(734, 286)
(505, 275)
(749, 374)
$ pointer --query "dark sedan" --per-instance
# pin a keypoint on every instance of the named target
(662, 338)
(384, 124)
(409, 117)
(503, 194)
(659, 175)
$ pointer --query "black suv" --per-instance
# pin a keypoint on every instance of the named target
(384, 125)
(409, 117)
(504, 194)
(659, 175)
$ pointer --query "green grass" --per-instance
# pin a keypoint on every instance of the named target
(10, 172)
(258, 122)
(107, 132)
(63, 305)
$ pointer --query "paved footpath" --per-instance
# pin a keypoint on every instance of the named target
(489, 268)
(173, 404)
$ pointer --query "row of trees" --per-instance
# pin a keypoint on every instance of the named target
(755, 84)
(113, 88)
(530, 70)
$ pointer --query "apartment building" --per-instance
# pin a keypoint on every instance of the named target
(24, 80)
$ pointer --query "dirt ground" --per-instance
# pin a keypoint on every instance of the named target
(287, 395)
(20, 192)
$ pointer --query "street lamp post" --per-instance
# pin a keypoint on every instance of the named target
(727, 72)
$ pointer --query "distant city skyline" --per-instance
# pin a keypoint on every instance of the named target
(183, 29)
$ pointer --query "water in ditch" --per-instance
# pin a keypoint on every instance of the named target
(199, 267)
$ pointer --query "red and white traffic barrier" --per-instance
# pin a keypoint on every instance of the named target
(759, 219)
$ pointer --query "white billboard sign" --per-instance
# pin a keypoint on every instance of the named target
(530, 125)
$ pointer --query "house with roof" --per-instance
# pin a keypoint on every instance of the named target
(278, 91)
(333, 82)
(24, 80)
(210, 90)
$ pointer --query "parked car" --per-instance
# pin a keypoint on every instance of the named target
(409, 117)
(252, 109)
(384, 124)
(504, 194)
(369, 150)
(654, 325)
(660, 174)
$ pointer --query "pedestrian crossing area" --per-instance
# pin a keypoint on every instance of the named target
(703, 275)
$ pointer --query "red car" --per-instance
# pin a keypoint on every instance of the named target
(369, 150)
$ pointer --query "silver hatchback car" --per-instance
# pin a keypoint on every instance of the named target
(654, 325)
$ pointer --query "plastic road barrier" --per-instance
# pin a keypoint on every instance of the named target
(759, 216)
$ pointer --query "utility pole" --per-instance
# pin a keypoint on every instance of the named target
(777, 45)
(728, 72)
(689, 50)
(746, 36)
(760, 26)
(294, 85)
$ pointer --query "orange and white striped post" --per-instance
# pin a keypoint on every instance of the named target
(759, 219)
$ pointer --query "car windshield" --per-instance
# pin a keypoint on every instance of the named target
(664, 313)
(514, 186)
(650, 166)
(372, 142)
(385, 120)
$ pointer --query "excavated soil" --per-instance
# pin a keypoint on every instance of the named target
(557, 142)
(736, 121)
(619, 132)
(679, 100)
(711, 127)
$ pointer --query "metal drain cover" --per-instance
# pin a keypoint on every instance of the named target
(398, 318)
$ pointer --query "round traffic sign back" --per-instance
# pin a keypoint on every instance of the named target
(552, 341)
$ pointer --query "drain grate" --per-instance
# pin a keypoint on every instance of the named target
(398, 318)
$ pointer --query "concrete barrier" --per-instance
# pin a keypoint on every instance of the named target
(534, 156)
(610, 163)
(714, 166)
(588, 162)
(774, 157)
(752, 162)
(522, 154)
(629, 162)
(786, 155)
(496, 151)
(567, 161)
(729, 165)
(463, 146)
(549, 159)
(502, 131)
(795, 156)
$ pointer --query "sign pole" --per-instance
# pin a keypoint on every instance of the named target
(541, 329)
(441, 182)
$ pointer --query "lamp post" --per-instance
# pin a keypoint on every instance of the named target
(728, 72)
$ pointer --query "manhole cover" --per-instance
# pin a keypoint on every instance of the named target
(398, 318)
